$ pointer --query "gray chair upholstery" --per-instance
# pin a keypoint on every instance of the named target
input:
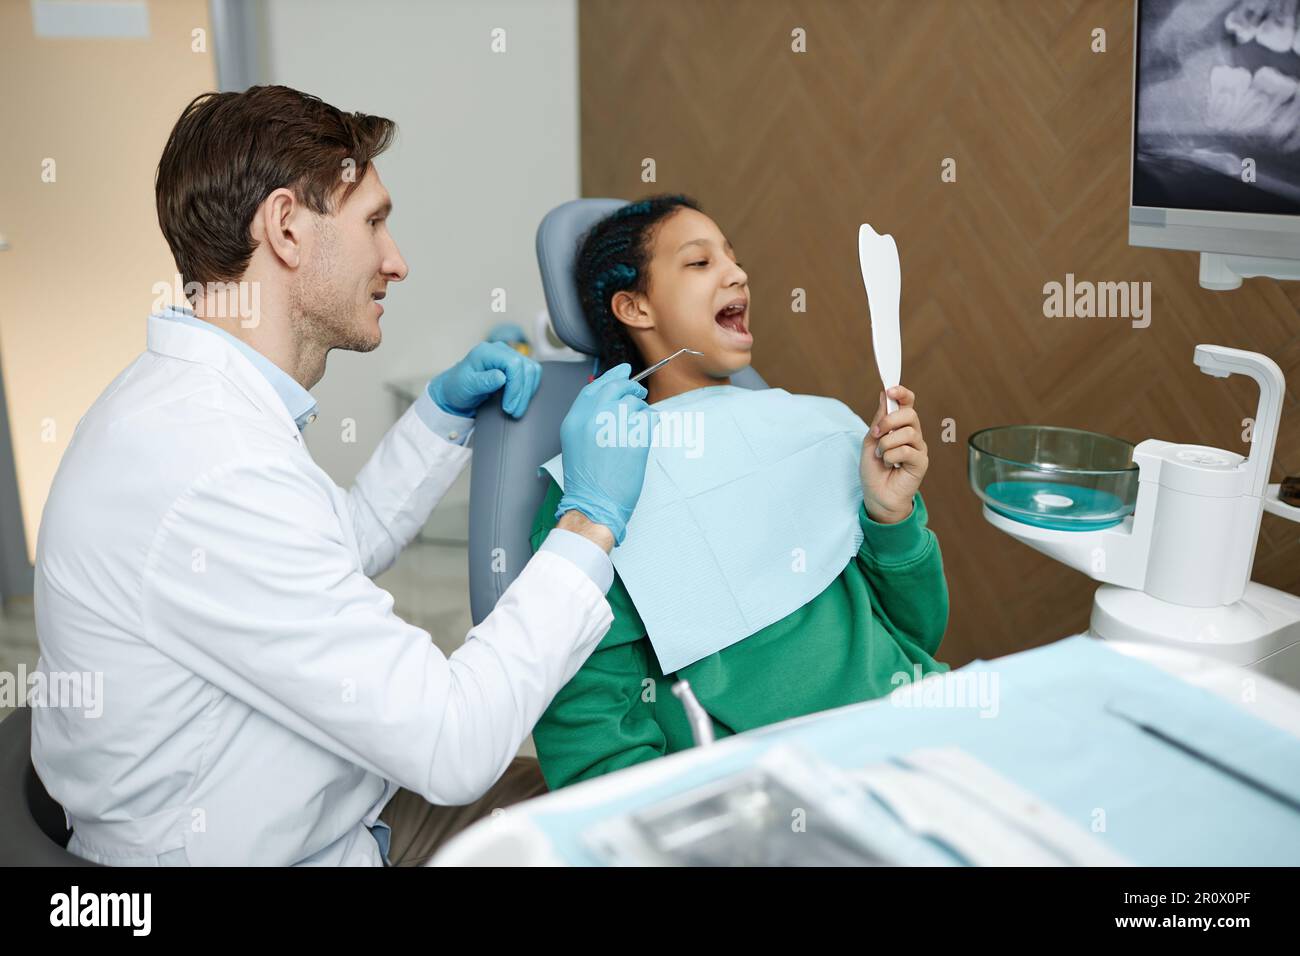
(505, 489)
(32, 827)
(558, 236)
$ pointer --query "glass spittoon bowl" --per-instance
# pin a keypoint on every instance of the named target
(1064, 479)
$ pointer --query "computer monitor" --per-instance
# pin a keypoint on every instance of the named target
(1216, 135)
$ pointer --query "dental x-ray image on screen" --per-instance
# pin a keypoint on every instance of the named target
(1216, 87)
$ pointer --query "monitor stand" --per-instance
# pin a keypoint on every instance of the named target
(1222, 272)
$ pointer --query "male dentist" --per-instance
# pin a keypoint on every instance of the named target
(262, 703)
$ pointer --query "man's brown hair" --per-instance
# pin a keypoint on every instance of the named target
(229, 151)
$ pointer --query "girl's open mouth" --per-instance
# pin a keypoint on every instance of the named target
(734, 318)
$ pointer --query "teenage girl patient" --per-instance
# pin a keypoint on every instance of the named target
(718, 579)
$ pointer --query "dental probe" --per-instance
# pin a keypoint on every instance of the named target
(660, 364)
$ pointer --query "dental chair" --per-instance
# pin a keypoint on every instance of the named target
(33, 830)
(505, 489)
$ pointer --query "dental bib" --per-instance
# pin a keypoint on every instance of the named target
(749, 511)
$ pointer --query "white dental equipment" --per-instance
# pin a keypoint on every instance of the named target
(977, 788)
(1176, 571)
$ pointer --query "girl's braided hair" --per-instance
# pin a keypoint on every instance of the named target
(614, 256)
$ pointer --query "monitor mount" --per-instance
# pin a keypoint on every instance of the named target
(1222, 272)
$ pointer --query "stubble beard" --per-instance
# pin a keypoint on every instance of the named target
(322, 313)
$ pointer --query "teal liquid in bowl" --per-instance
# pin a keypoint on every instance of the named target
(1057, 505)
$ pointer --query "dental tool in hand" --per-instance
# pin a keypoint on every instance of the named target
(660, 364)
(878, 259)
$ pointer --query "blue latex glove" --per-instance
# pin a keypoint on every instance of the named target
(603, 478)
(461, 389)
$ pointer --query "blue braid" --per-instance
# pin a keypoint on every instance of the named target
(614, 257)
(620, 274)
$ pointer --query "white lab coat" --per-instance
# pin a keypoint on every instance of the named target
(261, 701)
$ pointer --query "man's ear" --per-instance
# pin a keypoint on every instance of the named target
(630, 309)
(279, 224)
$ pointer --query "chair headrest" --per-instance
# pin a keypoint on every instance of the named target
(557, 248)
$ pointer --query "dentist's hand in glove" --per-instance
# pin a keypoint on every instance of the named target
(489, 367)
(603, 478)
(887, 491)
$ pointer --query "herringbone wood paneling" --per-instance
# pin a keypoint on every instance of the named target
(790, 152)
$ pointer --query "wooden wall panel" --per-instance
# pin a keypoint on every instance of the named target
(790, 152)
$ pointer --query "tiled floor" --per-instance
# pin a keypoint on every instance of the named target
(429, 584)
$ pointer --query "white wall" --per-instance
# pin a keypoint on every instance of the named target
(487, 144)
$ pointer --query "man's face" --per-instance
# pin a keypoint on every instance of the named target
(348, 261)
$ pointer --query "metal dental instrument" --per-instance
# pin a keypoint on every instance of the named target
(696, 715)
(660, 364)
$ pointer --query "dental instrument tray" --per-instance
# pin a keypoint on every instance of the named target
(1064, 479)
(786, 808)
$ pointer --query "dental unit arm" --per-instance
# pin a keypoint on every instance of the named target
(1178, 569)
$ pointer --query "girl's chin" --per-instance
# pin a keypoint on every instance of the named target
(728, 364)
(720, 359)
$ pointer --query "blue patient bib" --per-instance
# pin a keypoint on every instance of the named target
(748, 512)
